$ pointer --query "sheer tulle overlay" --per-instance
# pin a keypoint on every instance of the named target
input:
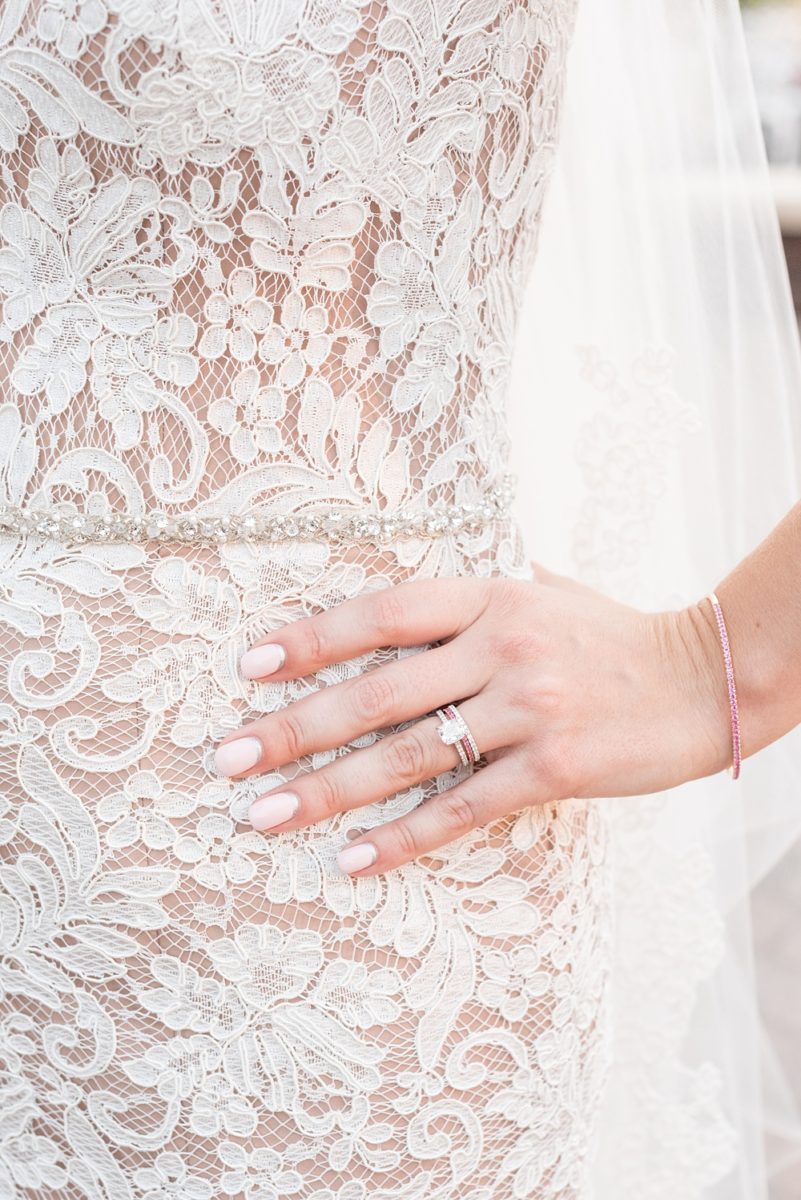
(266, 255)
(661, 317)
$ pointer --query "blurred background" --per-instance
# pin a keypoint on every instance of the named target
(773, 34)
(773, 30)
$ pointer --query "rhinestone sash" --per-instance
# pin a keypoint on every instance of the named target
(334, 525)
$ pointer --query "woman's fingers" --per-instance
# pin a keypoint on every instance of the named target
(397, 761)
(407, 614)
(503, 787)
(387, 695)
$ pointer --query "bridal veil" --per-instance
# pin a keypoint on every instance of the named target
(656, 415)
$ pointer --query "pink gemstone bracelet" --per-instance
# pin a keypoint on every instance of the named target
(734, 769)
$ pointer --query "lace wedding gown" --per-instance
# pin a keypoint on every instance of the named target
(263, 258)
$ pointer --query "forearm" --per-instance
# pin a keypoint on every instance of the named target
(761, 603)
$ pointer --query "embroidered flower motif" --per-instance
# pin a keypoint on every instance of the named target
(513, 981)
(123, 392)
(60, 184)
(69, 24)
(183, 999)
(20, 1108)
(78, 260)
(169, 1179)
(218, 1108)
(204, 715)
(33, 269)
(186, 598)
(164, 350)
(298, 342)
(250, 416)
(515, 46)
(176, 1068)
(212, 212)
(248, 29)
(267, 964)
(257, 1174)
(360, 1137)
(430, 209)
(217, 855)
(195, 110)
(359, 997)
(523, 1100)
(354, 1189)
(55, 362)
(143, 812)
(428, 383)
(388, 126)
(301, 89)
(314, 247)
(330, 25)
(36, 1159)
(160, 679)
(403, 298)
(234, 318)
(195, 105)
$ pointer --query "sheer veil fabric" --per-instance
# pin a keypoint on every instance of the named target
(657, 413)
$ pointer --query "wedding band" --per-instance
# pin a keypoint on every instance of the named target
(454, 731)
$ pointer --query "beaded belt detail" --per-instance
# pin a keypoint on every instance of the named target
(341, 526)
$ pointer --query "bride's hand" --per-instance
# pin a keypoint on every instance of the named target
(566, 692)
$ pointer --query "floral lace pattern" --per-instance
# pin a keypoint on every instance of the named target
(265, 254)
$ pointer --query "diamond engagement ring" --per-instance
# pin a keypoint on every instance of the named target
(454, 731)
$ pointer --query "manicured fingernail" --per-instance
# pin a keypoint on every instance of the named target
(262, 660)
(354, 858)
(273, 810)
(237, 756)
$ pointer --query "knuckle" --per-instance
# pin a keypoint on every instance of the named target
(458, 812)
(317, 642)
(291, 735)
(373, 698)
(406, 841)
(406, 757)
(529, 758)
(550, 767)
(523, 697)
(549, 700)
(513, 646)
(328, 794)
(535, 696)
(388, 613)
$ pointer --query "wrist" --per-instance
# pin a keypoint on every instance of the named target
(697, 657)
(768, 687)
(704, 616)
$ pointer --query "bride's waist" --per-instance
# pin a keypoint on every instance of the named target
(257, 507)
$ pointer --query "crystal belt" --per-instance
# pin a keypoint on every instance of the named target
(333, 525)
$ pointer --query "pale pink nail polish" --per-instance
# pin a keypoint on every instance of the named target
(268, 811)
(262, 660)
(354, 858)
(235, 757)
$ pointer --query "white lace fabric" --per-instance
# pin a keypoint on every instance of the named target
(265, 254)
